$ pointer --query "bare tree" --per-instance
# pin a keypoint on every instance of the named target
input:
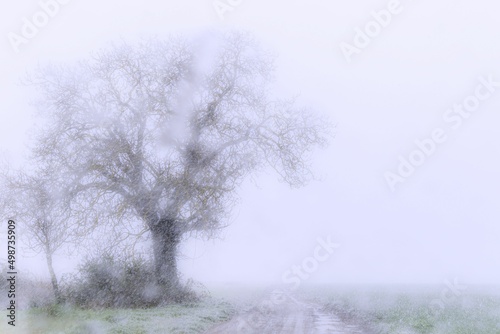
(33, 202)
(165, 131)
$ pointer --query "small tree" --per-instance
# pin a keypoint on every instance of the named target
(163, 133)
(34, 203)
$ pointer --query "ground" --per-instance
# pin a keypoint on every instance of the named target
(175, 319)
(289, 317)
(323, 309)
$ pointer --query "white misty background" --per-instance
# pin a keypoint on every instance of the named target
(441, 223)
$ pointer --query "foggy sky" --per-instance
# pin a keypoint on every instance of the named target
(441, 223)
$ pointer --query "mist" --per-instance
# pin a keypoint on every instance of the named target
(407, 186)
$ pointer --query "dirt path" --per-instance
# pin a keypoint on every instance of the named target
(291, 317)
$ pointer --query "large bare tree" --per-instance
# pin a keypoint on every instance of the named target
(165, 131)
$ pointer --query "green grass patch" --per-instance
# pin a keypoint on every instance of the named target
(176, 319)
(413, 309)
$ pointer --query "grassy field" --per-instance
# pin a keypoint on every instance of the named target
(190, 318)
(409, 309)
(412, 310)
(387, 310)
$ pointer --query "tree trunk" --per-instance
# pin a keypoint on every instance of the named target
(166, 239)
(53, 278)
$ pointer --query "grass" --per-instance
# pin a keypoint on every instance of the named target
(386, 310)
(176, 319)
(410, 310)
